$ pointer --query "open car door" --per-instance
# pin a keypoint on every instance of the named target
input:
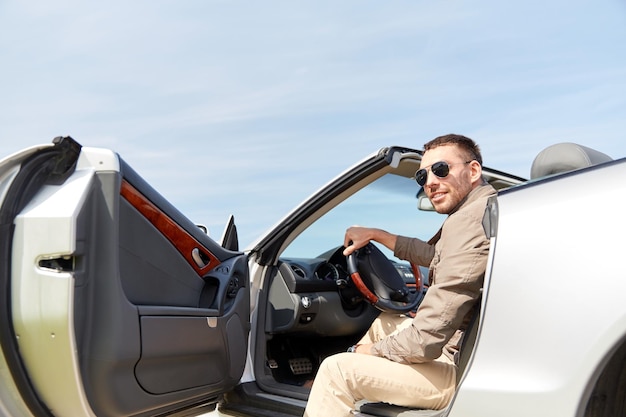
(113, 302)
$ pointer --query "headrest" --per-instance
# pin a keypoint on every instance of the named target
(564, 157)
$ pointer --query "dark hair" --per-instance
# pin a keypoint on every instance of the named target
(466, 144)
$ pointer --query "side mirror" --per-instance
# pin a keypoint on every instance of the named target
(230, 239)
(423, 202)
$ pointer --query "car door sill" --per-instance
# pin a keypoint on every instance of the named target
(379, 409)
(248, 399)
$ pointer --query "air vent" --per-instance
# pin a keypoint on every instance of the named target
(298, 271)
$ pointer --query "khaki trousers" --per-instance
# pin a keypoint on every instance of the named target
(345, 378)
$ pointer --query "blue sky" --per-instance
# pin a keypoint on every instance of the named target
(249, 107)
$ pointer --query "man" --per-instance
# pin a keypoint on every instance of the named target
(411, 362)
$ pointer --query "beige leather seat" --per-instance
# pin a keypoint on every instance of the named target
(564, 157)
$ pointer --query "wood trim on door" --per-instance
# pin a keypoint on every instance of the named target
(198, 256)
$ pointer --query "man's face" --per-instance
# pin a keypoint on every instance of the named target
(446, 193)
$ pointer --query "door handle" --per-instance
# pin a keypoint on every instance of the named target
(199, 258)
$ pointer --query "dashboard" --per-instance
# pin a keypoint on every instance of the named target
(327, 272)
(331, 267)
(316, 295)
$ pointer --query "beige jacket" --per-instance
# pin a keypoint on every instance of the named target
(457, 258)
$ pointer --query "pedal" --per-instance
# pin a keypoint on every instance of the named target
(300, 366)
(272, 364)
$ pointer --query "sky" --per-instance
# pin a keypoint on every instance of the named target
(249, 107)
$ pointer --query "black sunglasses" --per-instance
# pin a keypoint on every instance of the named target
(441, 169)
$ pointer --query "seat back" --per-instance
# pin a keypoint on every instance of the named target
(564, 157)
(468, 342)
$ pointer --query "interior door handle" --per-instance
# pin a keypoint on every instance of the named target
(199, 258)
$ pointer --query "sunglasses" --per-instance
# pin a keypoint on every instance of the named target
(441, 169)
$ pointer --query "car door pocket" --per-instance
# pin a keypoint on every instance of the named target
(179, 353)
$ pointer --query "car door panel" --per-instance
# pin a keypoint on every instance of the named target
(152, 271)
(169, 341)
(158, 313)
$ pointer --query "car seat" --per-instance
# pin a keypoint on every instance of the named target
(563, 157)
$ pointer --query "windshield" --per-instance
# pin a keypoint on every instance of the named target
(389, 203)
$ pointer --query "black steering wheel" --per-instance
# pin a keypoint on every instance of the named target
(380, 283)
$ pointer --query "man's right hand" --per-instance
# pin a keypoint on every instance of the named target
(357, 236)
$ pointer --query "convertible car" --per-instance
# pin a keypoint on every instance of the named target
(114, 303)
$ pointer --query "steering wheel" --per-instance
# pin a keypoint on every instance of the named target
(380, 283)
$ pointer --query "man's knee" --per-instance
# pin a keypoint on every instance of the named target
(333, 364)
